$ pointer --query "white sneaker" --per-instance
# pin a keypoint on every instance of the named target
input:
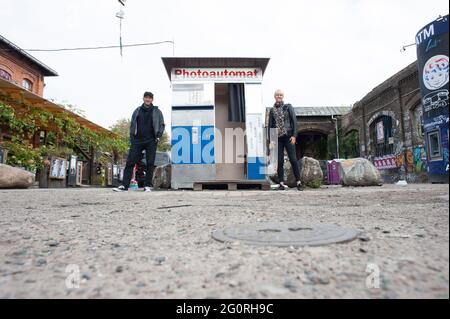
(148, 189)
(121, 188)
(283, 186)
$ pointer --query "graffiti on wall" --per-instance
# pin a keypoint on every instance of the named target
(385, 162)
(445, 153)
(420, 159)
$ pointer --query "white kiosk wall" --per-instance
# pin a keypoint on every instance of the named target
(200, 124)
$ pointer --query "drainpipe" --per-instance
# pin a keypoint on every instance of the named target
(364, 130)
(337, 135)
(402, 125)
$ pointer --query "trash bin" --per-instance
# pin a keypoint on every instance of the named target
(334, 176)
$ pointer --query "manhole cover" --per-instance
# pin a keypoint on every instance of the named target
(286, 234)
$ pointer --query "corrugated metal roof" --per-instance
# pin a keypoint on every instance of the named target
(218, 62)
(47, 71)
(321, 110)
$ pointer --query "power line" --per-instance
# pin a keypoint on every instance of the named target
(96, 48)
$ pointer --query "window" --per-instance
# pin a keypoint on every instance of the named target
(434, 145)
(27, 84)
(381, 136)
(5, 75)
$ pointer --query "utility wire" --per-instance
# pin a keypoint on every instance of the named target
(95, 48)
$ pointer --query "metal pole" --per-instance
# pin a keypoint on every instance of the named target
(337, 139)
(120, 27)
(337, 135)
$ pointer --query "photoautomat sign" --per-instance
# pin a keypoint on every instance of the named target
(217, 74)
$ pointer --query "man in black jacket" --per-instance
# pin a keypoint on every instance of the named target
(282, 117)
(147, 127)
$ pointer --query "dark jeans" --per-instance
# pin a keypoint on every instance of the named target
(134, 156)
(284, 143)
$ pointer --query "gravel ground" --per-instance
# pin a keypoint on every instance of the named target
(133, 245)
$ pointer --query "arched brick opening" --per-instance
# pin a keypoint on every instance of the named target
(312, 143)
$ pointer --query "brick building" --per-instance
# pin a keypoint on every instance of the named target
(385, 126)
(388, 124)
(21, 88)
(22, 69)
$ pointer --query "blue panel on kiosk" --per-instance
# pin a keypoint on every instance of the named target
(256, 168)
(192, 145)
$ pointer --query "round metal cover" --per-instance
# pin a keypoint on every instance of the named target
(286, 234)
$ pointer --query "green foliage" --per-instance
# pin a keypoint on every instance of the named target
(349, 147)
(23, 155)
(314, 184)
(122, 128)
(64, 134)
(164, 143)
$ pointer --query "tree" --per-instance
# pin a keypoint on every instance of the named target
(122, 128)
(164, 143)
(73, 108)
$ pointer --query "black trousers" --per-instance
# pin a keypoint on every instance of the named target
(134, 156)
(284, 143)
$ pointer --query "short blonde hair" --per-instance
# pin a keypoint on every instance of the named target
(279, 92)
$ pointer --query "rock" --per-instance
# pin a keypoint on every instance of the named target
(363, 250)
(314, 278)
(160, 259)
(86, 275)
(119, 269)
(363, 237)
(289, 177)
(12, 177)
(311, 174)
(53, 243)
(289, 284)
(359, 172)
(41, 262)
(162, 177)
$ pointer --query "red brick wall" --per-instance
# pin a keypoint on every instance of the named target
(20, 69)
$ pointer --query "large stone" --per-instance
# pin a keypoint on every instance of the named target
(359, 172)
(162, 176)
(311, 173)
(289, 176)
(12, 177)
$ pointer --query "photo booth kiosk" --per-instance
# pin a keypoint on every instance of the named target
(217, 130)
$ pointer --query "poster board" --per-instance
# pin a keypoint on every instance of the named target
(110, 175)
(79, 173)
(58, 168)
(380, 132)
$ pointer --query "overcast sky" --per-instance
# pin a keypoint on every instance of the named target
(323, 53)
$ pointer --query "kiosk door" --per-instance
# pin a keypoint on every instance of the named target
(192, 134)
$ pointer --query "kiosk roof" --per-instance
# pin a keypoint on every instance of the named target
(179, 62)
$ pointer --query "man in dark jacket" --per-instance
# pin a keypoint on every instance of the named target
(282, 117)
(147, 127)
